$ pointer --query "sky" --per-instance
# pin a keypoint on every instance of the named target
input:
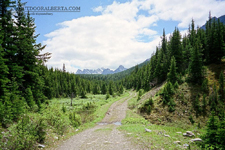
(109, 33)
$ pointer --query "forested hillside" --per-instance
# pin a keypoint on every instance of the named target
(193, 68)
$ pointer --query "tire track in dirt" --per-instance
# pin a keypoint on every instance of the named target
(105, 135)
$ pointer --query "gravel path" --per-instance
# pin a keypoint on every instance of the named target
(105, 135)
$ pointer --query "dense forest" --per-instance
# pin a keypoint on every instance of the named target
(26, 83)
(190, 52)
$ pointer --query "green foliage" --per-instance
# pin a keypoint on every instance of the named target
(204, 105)
(29, 98)
(90, 106)
(196, 69)
(57, 119)
(75, 119)
(196, 106)
(121, 89)
(176, 85)
(191, 119)
(168, 91)
(63, 108)
(221, 87)
(215, 135)
(172, 75)
(25, 134)
(83, 93)
(140, 92)
(147, 106)
(171, 105)
(107, 96)
(213, 99)
(111, 88)
(135, 121)
(104, 89)
(204, 86)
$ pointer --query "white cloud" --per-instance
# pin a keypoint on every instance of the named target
(110, 39)
(183, 11)
(98, 9)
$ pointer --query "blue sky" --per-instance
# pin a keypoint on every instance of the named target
(108, 33)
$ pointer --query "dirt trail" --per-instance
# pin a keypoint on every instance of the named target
(105, 135)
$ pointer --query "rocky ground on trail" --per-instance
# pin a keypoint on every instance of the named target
(105, 134)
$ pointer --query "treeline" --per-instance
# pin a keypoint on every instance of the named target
(62, 84)
(191, 52)
(25, 83)
(20, 62)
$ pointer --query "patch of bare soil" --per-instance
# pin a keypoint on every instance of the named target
(105, 135)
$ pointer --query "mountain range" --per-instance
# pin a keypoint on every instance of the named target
(103, 71)
(222, 19)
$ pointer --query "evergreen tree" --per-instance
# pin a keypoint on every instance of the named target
(195, 70)
(176, 48)
(164, 43)
(221, 87)
(111, 88)
(158, 70)
(3, 72)
(121, 89)
(211, 135)
(192, 34)
(104, 89)
(172, 75)
(29, 98)
(204, 105)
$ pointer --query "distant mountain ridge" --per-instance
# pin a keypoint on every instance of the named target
(222, 19)
(101, 71)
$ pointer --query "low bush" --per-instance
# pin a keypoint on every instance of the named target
(135, 121)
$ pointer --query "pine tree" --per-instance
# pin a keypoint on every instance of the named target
(158, 70)
(221, 87)
(172, 75)
(104, 89)
(121, 89)
(195, 70)
(192, 34)
(204, 105)
(3, 72)
(212, 127)
(29, 98)
(164, 43)
(176, 48)
(111, 88)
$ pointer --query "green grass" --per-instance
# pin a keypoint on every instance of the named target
(134, 125)
(101, 111)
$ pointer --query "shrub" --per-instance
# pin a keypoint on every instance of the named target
(215, 135)
(140, 92)
(171, 105)
(135, 121)
(204, 86)
(56, 118)
(24, 134)
(191, 119)
(147, 106)
(75, 119)
(107, 96)
(168, 91)
(176, 85)
(63, 108)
